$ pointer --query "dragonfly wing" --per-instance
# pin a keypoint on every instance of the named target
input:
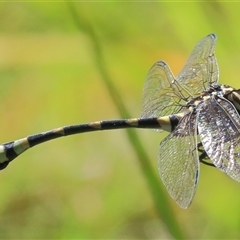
(201, 68)
(159, 93)
(178, 161)
(219, 130)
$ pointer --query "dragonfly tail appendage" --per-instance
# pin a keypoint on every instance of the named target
(10, 150)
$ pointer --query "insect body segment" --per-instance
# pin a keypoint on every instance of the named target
(10, 150)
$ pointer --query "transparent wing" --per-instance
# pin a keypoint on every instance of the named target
(178, 161)
(164, 95)
(219, 130)
(161, 94)
(201, 69)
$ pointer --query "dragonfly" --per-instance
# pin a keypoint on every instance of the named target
(201, 116)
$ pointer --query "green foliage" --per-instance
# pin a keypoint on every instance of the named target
(62, 64)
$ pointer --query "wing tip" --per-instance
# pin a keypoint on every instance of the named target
(213, 36)
(161, 63)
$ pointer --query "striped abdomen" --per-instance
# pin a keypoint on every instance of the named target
(10, 150)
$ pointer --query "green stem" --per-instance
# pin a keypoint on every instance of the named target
(159, 197)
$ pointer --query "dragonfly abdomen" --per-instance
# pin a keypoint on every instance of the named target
(10, 150)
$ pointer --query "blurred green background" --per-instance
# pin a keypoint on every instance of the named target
(92, 185)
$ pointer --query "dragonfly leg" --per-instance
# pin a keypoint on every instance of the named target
(203, 157)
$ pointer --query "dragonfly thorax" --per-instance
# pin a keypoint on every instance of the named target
(216, 91)
(233, 95)
(211, 92)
